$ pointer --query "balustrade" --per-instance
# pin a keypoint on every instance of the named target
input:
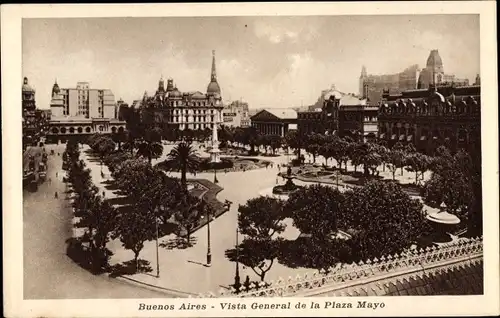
(431, 260)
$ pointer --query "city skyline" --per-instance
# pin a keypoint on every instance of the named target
(266, 61)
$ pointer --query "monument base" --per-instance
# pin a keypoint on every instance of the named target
(215, 155)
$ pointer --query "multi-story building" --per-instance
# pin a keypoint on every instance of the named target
(30, 115)
(171, 109)
(433, 73)
(80, 111)
(359, 122)
(82, 102)
(320, 120)
(372, 86)
(236, 115)
(275, 121)
(342, 114)
(441, 115)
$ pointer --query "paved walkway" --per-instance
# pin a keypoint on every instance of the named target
(183, 269)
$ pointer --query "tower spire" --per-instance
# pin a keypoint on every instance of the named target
(363, 71)
(213, 77)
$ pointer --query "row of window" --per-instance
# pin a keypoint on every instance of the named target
(80, 130)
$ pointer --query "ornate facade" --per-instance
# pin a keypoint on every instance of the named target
(170, 108)
(34, 121)
(443, 115)
(341, 114)
(275, 121)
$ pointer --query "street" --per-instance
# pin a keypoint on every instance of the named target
(48, 272)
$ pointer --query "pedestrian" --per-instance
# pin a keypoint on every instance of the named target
(276, 180)
(50, 180)
(55, 195)
(57, 174)
(103, 193)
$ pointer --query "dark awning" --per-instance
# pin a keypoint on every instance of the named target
(409, 137)
(393, 137)
(402, 137)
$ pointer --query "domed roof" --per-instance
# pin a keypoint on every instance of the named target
(55, 89)
(175, 93)
(26, 86)
(434, 59)
(213, 88)
(198, 95)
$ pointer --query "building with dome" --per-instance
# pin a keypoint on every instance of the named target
(372, 86)
(172, 109)
(33, 120)
(81, 111)
(444, 114)
(433, 73)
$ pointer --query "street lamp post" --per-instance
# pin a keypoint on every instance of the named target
(209, 253)
(159, 208)
(215, 176)
(157, 251)
(237, 275)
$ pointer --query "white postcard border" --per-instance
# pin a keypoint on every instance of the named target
(14, 304)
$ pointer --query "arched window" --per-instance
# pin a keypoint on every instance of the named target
(55, 130)
(71, 130)
(120, 130)
(88, 129)
(113, 129)
(80, 130)
(63, 130)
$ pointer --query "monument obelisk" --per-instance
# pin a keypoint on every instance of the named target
(215, 151)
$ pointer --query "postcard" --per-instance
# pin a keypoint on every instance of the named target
(250, 159)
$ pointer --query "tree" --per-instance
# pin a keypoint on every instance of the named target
(395, 160)
(403, 152)
(315, 209)
(135, 226)
(135, 176)
(382, 218)
(189, 212)
(183, 158)
(257, 254)
(150, 146)
(295, 141)
(340, 151)
(418, 163)
(260, 218)
(275, 143)
(453, 181)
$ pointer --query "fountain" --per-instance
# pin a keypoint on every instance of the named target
(289, 186)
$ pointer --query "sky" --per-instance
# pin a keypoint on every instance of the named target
(265, 61)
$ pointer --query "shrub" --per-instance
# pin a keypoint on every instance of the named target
(206, 164)
(296, 162)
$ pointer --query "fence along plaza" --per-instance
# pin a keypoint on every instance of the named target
(358, 278)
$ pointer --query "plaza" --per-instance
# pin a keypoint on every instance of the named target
(174, 263)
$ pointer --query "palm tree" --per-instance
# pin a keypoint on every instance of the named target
(149, 149)
(183, 158)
